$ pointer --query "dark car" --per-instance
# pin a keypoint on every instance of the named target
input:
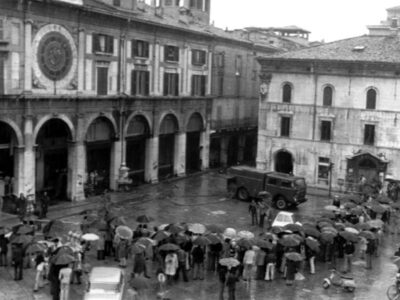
(286, 190)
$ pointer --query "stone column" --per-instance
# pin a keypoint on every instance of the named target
(19, 170)
(209, 73)
(180, 154)
(261, 160)
(29, 157)
(76, 171)
(115, 163)
(28, 56)
(205, 149)
(81, 60)
(156, 69)
(151, 163)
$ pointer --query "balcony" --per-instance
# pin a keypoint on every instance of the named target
(234, 124)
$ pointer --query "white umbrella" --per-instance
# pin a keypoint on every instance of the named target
(230, 233)
(197, 228)
(245, 234)
(351, 230)
(90, 237)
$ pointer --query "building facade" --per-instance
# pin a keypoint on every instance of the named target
(330, 113)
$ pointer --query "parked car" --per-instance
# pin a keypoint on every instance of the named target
(286, 190)
(105, 283)
(284, 218)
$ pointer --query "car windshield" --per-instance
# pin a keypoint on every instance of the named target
(301, 183)
(284, 218)
(108, 287)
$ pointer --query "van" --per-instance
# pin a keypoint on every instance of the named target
(286, 190)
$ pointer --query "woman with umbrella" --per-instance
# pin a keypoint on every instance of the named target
(348, 254)
(171, 265)
(292, 265)
(312, 248)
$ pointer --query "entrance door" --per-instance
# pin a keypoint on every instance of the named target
(193, 152)
(284, 162)
(102, 81)
(166, 153)
(135, 158)
(55, 172)
(233, 149)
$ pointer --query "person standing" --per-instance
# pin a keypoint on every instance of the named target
(363, 247)
(3, 250)
(253, 212)
(65, 279)
(348, 255)
(100, 246)
(18, 261)
(231, 280)
(260, 263)
(222, 272)
(371, 244)
(171, 265)
(182, 258)
(40, 265)
(270, 260)
(45, 201)
(123, 252)
(198, 262)
(22, 203)
(248, 262)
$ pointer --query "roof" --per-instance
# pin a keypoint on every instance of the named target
(291, 28)
(105, 275)
(379, 158)
(393, 8)
(384, 49)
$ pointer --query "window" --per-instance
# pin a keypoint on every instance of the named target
(285, 126)
(371, 99)
(2, 29)
(103, 43)
(369, 134)
(198, 57)
(323, 170)
(207, 5)
(140, 48)
(198, 4)
(117, 2)
(238, 65)
(327, 98)
(171, 84)
(285, 183)
(219, 60)
(326, 130)
(168, 2)
(171, 53)
(220, 86)
(273, 181)
(102, 81)
(140, 83)
(287, 93)
(15, 33)
(199, 85)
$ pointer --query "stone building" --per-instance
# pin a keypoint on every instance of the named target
(331, 112)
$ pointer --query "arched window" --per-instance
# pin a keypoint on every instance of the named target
(287, 93)
(327, 98)
(371, 99)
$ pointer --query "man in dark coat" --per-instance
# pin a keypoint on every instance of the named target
(45, 201)
(348, 255)
(18, 260)
(198, 262)
(231, 280)
(3, 250)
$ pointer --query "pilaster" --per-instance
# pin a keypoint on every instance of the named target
(29, 157)
(28, 56)
(151, 163)
(180, 154)
(81, 60)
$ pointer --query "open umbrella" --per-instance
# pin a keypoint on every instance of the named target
(35, 248)
(124, 232)
(384, 199)
(22, 239)
(348, 236)
(197, 228)
(229, 262)
(145, 241)
(144, 219)
(368, 235)
(339, 226)
(313, 244)
(118, 221)
(214, 239)
(137, 248)
(327, 236)
(312, 232)
(331, 208)
(201, 241)
(65, 249)
(328, 215)
(276, 229)
(215, 228)
(245, 243)
(63, 259)
(294, 256)
(329, 229)
(351, 230)
(349, 205)
(169, 247)
(263, 243)
(289, 241)
(245, 234)
(294, 227)
(363, 226)
(229, 233)
(90, 237)
(140, 283)
(174, 228)
(356, 210)
(160, 235)
(25, 229)
(379, 209)
(352, 198)
(375, 223)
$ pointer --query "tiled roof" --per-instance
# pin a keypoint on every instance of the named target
(365, 48)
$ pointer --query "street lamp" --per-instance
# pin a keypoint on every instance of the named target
(331, 164)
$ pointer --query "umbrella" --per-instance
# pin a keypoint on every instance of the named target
(289, 241)
(264, 244)
(140, 283)
(356, 210)
(65, 249)
(294, 256)
(379, 209)
(348, 236)
(117, 221)
(229, 233)
(160, 235)
(312, 232)
(349, 205)
(331, 208)
(214, 239)
(145, 241)
(137, 248)
(328, 215)
(144, 219)
(396, 261)
(327, 236)
(163, 226)
(294, 227)
(363, 226)
(368, 235)
(245, 234)
(90, 237)
(174, 228)
(124, 232)
(351, 230)
(313, 244)
(245, 243)
(201, 241)
(353, 198)
(197, 228)
(276, 229)
(63, 259)
(375, 223)
(324, 220)
(384, 199)
(395, 205)
(35, 248)
(169, 247)
(22, 239)
(329, 229)
(340, 226)
(229, 262)
(24, 229)
(215, 228)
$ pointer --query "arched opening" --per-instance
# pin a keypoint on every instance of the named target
(368, 168)
(250, 149)
(284, 162)
(136, 135)
(52, 159)
(233, 150)
(168, 129)
(193, 133)
(327, 97)
(371, 99)
(287, 93)
(8, 164)
(99, 138)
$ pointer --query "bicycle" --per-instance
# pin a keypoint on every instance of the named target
(393, 291)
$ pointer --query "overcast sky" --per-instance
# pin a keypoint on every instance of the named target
(326, 19)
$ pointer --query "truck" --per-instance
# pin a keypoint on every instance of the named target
(247, 182)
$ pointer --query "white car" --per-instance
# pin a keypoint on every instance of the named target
(283, 218)
(105, 283)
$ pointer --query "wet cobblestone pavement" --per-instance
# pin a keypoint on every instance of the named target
(203, 199)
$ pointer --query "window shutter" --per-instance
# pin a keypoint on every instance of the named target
(176, 54)
(96, 43)
(166, 84)
(193, 85)
(146, 49)
(176, 84)
(110, 44)
(147, 83)
(203, 85)
(133, 83)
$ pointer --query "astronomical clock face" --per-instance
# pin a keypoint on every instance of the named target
(54, 56)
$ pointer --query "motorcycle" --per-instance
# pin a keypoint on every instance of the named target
(393, 292)
(338, 279)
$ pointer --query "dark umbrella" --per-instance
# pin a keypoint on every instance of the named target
(340, 226)
(328, 215)
(144, 219)
(169, 247)
(350, 205)
(215, 228)
(137, 248)
(214, 239)
(384, 199)
(294, 256)
(312, 232)
(378, 208)
(63, 259)
(312, 244)
(276, 229)
(64, 250)
(375, 223)
(348, 236)
(24, 229)
(245, 243)
(201, 241)
(140, 283)
(329, 229)
(263, 244)
(324, 225)
(289, 241)
(356, 210)
(22, 239)
(174, 228)
(327, 236)
(325, 220)
(294, 227)
(35, 248)
(118, 221)
(353, 198)
(363, 226)
(160, 235)
(368, 235)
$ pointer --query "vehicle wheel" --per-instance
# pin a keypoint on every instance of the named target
(242, 194)
(280, 203)
(231, 190)
(392, 292)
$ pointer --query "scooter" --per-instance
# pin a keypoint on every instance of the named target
(338, 279)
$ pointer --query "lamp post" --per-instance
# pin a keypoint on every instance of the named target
(331, 164)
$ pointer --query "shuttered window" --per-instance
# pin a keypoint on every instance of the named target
(2, 35)
(198, 57)
(171, 84)
(171, 53)
(326, 128)
(102, 81)
(1, 76)
(369, 134)
(103, 43)
(140, 48)
(285, 126)
(199, 85)
(140, 83)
